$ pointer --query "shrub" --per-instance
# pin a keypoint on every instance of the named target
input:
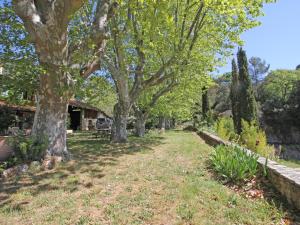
(28, 148)
(232, 163)
(10, 162)
(225, 129)
(255, 139)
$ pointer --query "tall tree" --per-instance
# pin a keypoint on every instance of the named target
(47, 25)
(180, 102)
(234, 97)
(151, 39)
(205, 102)
(147, 101)
(219, 94)
(143, 58)
(247, 104)
(257, 68)
(277, 87)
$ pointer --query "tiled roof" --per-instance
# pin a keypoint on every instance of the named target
(29, 108)
(80, 104)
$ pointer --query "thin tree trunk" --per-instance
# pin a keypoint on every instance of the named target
(119, 131)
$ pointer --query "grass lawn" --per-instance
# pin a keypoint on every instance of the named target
(159, 180)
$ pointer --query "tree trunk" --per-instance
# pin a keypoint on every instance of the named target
(167, 124)
(162, 123)
(172, 123)
(140, 124)
(51, 113)
(53, 95)
(119, 132)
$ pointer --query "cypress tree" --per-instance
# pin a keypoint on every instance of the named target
(205, 102)
(247, 103)
(234, 97)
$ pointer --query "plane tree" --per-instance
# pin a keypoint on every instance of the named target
(151, 39)
(68, 44)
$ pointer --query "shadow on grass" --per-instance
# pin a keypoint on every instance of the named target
(90, 156)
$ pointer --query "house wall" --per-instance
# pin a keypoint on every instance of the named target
(85, 121)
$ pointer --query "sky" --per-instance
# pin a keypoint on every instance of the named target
(277, 39)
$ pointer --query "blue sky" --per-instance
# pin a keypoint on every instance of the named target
(277, 40)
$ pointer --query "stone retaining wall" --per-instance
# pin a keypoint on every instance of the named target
(286, 180)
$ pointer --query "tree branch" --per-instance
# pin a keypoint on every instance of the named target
(162, 92)
(98, 36)
(158, 77)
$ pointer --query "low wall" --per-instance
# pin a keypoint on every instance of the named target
(286, 180)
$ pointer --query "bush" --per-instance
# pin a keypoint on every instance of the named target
(234, 164)
(255, 139)
(225, 129)
(10, 162)
(28, 148)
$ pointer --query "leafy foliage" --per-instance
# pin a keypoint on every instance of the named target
(294, 102)
(276, 89)
(234, 164)
(219, 94)
(10, 162)
(225, 129)
(17, 57)
(255, 139)
(98, 91)
(28, 148)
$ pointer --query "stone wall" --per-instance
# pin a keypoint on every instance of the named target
(286, 180)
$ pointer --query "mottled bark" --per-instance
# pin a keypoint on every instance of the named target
(167, 124)
(140, 127)
(140, 123)
(119, 127)
(51, 114)
(162, 123)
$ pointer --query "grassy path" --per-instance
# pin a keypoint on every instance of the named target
(160, 180)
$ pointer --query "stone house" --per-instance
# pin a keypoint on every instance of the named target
(82, 116)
